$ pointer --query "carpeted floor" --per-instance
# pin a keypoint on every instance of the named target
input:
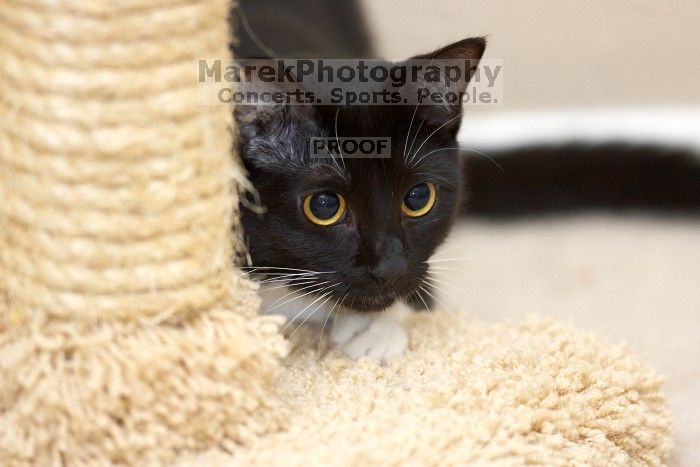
(632, 279)
(635, 279)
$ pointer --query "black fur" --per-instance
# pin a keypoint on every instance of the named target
(274, 144)
(555, 179)
(375, 235)
(300, 29)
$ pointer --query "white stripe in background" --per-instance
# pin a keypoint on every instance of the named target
(666, 125)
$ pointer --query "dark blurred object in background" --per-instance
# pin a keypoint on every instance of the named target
(555, 179)
(300, 29)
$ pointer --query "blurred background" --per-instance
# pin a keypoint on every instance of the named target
(590, 72)
(560, 54)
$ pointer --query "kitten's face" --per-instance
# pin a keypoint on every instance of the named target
(368, 225)
(375, 249)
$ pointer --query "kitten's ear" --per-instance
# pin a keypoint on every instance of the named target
(268, 133)
(465, 54)
(471, 48)
(265, 128)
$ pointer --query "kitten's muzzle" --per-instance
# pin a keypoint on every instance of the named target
(389, 271)
(370, 303)
(391, 265)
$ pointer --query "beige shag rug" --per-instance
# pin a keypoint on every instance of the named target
(127, 337)
(466, 392)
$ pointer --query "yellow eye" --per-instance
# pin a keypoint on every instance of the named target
(324, 208)
(419, 200)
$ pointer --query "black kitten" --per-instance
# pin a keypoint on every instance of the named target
(353, 233)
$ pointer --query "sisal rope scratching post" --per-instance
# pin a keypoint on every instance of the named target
(125, 335)
(127, 338)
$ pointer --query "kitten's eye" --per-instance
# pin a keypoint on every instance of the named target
(419, 200)
(324, 208)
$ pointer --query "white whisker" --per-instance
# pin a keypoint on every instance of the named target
(325, 322)
(415, 136)
(427, 309)
(475, 259)
(329, 295)
(445, 268)
(408, 133)
(288, 283)
(279, 268)
(413, 164)
(337, 140)
(282, 277)
(276, 305)
(486, 156)
(422, 299)
(274, 275)
(442, 260)
(307, 306)
(292, 320)
(435, 282)
(461, 149)
(432, 296)
(431, 135)
(442, 274)
(335, 165)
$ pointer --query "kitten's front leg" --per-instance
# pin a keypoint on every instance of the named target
(380, 336)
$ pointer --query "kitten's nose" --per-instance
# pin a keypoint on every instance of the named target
(391, 264)
(389, 270)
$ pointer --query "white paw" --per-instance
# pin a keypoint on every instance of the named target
(379, 337)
